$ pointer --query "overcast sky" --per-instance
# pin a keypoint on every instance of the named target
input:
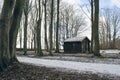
(103, 3)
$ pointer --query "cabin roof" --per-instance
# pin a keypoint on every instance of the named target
(76, 39)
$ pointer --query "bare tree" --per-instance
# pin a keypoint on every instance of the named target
(96, 29)
(92, 20)
(57, 28)
(26, 12)
(79, 25)
(109, 27)
(51, 27)
(106, 26)
(4, 33)
(39, 49)
(115, 23)
(45, 24)
(11, 15)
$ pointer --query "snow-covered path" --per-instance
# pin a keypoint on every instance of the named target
(75, 66)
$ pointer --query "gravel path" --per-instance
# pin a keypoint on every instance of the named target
(112, 69)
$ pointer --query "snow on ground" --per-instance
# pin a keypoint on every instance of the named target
(110, 53)
(84, 59)
(111, 69)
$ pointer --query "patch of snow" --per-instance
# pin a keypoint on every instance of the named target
(77, 66)
(84, 59)
(110, 53)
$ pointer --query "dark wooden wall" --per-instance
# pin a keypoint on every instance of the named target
(70, 47)
(77, 46)
(85, 46)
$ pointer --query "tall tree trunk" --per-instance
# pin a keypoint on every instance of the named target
(57, 28)
(38, 39)
(5, 21)
(109, 35)
(114, 38)
(26, 11)
(96, 29)
(8, 31)
(35, 41)
(39, 50)
(25, 35)
(45, 25)
(116, 22)
(67, 31)
(92, 20)
(14, 28)
(51, 28)
(20, 34)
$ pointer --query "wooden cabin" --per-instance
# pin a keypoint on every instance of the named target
(77, 45)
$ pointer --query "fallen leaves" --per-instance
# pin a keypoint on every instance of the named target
(29, 72)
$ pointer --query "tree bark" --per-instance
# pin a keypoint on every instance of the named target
(57, 28)
(25, 36)
(51, 28)
(9, 24)
(5, 21)
(17, 14)
(67, 24)
(45, 25)
(26, 11)
(20, 34)
(92, 22)
(39, 50)
(35, 42)
(96, 29)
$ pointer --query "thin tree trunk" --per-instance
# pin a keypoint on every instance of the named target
(20, 38)
(51, 28)
(92, 20)
(35, 49)
(46, 42)
(25, 35)
(67, 31)
(57, 28)
(115, 24)
(114, 38)
(26, 11)
(39, 50)
(96, 29)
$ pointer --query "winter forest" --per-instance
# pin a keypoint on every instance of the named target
(59, 40)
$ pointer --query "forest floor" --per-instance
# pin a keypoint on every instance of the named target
(24, 71)
(105, 54)
(27, 71)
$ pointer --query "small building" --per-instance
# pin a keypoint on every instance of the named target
(77, 45)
